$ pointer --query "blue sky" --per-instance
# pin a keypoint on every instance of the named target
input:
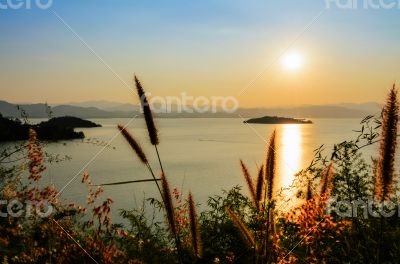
(202, 47)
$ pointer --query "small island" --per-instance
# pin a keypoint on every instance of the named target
(57, 128)
(277, 120)
(70, 121)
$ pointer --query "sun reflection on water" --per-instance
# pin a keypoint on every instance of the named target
(289, 156)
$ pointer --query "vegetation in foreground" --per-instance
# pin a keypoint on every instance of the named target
(348, 213)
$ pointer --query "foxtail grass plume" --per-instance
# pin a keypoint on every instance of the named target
(133, 143)
(270, 166)
(194, 227)
(260, 185)
(326, 180)
(309, 194)
(169, 207)
(148, 116)
(385, 167)
(242, 228)
(249, 182)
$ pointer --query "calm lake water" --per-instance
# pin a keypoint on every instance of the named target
(201, 155)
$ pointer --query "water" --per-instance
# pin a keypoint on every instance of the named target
(201, 155)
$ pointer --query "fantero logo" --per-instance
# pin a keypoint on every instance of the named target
(191, 104)
(16, 208)
(363, 4)
(25, 4)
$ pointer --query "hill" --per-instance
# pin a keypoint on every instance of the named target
(115, 110)
(39, 111)
(59, 128)
(70, 121)
(277, 120)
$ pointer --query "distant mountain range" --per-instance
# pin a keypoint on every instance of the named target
(317, 111)
(108, 106)
(39, 111)
(105, 109)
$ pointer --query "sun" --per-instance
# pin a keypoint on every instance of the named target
(292, 61)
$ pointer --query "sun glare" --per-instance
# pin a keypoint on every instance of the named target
(290, 161)
(292, 61)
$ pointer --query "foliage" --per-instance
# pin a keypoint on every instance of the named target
(57, 237)
(233, 228)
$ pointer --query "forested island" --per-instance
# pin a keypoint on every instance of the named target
(57, 128)
(277, 120)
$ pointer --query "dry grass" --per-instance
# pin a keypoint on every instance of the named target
(133, 143)
(309, 194)
(194, 227)
(148, 116)
(260, 185)
(385, 167)
(242, 228)
(326, 180)
(249, 181)
(169, 207)
(270, 165)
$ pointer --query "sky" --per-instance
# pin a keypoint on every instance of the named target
(85, 50)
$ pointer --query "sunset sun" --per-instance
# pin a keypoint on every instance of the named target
(292, 61)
